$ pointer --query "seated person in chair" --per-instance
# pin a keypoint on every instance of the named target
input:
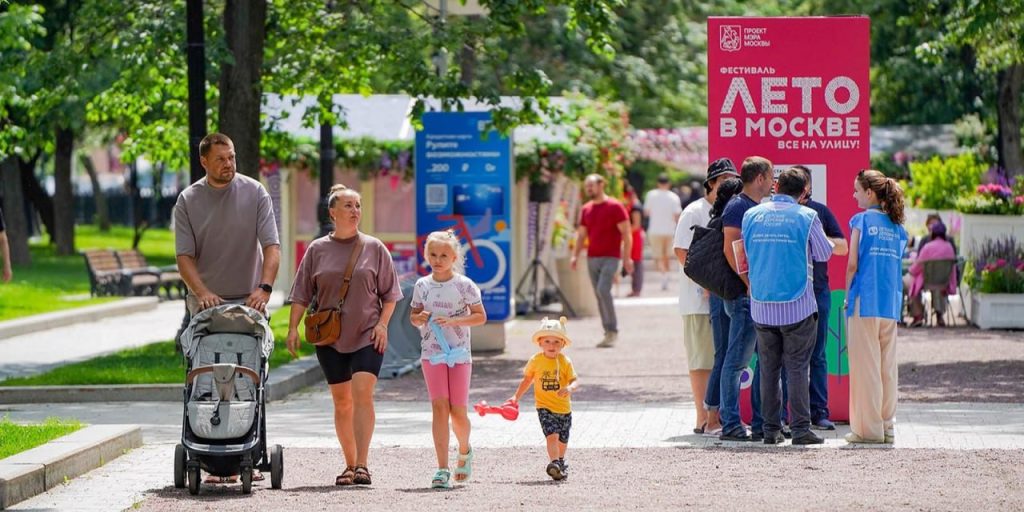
(938, 247)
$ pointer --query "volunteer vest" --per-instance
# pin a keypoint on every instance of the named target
(775, 238)
(878, 283)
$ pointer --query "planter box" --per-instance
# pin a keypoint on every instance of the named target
(977, 228)
(997, 310)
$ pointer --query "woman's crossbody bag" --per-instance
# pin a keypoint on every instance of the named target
(323, 328)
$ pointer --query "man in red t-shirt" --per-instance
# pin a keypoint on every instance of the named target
(605, 223)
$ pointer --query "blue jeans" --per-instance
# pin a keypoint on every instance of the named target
(737, 357)
(819, 365)
(720, 335)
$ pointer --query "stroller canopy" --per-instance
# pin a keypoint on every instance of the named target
(227, 318)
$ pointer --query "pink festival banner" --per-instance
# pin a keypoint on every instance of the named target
(797, 91)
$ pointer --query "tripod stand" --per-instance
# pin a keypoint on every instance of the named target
(532, 274)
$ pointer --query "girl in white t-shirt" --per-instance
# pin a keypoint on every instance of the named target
(445, 305)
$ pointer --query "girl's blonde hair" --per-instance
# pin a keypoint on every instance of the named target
(451, 240)
(337, 191)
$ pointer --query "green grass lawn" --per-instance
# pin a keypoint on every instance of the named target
(16, 438)
(54, 282)
(156, 363)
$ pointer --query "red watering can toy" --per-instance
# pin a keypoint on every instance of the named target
(508, 410)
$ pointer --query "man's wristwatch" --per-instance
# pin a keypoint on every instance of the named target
(265, 287)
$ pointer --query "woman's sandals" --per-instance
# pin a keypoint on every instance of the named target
(362, 476)
(346, 477)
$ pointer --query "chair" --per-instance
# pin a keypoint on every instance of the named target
(936, 280)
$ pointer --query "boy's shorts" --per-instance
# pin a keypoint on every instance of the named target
(554, 423)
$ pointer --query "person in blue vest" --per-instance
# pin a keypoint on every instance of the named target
(874, 303)
(781, 238)
(757, 175)
(823, 296)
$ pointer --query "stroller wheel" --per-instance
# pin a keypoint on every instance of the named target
(179, 466)
(276, 466)
(193, 480)
(246, 480)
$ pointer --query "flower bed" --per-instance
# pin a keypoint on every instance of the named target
(995, 278)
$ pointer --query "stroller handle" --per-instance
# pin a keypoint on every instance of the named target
(249, 372)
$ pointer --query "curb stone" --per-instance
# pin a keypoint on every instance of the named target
(283, 381)
(46, 321)
(35, 471)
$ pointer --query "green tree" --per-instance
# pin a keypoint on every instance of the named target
(904, 88)
(990, 30)
(659, 65)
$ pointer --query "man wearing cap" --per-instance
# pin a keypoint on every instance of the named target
(757, 175)
(662, 207)
(694, 301)
(780, 239)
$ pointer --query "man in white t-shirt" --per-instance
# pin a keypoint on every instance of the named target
(662, 208)
(694, 301)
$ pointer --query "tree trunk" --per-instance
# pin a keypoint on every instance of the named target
(14, 212)
(467, 58)
(63, 197)
(240, 89)
(138, 223)
(102, 218)
(36, 194)
(1008, 109)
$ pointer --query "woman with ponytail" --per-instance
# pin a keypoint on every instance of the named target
(874, 302)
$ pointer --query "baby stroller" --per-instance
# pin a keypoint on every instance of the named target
(224, 425)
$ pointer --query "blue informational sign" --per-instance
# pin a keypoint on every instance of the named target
(463, 182)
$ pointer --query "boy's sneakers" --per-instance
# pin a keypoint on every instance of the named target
(565, 468)
(555, 470)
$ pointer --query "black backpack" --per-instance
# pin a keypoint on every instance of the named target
(706, 264)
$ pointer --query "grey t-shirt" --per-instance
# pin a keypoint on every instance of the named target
(225, 230)
(374, 281)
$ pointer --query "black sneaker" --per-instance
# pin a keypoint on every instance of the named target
(787, 432)
(808, 438)
(756, 435)
(555, 470)
(739, 434)
(774, 438)
(565, 468)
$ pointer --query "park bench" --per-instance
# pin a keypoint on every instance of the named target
(145, 276)
(105, 275)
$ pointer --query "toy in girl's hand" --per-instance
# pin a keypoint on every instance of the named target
(508, 410)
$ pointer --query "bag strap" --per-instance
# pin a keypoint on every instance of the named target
(347, 279)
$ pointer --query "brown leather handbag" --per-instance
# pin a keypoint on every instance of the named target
(323, 327)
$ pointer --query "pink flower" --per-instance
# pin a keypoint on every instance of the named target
(1000, 263)
(1019, 200)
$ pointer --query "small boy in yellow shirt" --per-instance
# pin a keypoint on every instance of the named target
(554, 379)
